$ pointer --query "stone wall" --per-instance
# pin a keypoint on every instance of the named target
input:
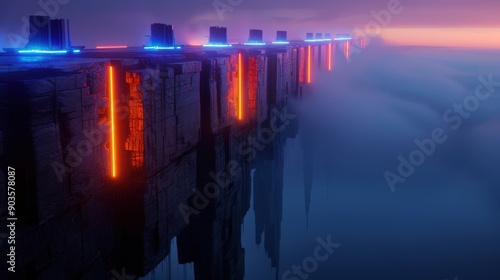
(55, 128)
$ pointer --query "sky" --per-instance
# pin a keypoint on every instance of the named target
(124, 22)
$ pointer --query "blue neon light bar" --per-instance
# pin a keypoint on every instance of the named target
(217, 46)
(281, 42)
(161, 48)
(317, 40)
(254, 44)
(44, 51)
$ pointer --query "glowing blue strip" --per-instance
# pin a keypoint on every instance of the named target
(161, 48)
(317, 40)
(254, 44)
(76, 51)
(217, 46)
(281, 43)
(41, 51)
(342, 39)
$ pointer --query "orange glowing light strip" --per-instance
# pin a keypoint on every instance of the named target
(240, 87)
(329, 57)
(308, 64)
(111, 47)
(112, 109)
(347, 52)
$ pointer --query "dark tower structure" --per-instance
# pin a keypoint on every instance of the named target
(47, 34)
(309, 36)
(162, 35)
(328, 36)
(319, 36)
(59, 34)
(256, 36)
(218, 35)
(39, 32)
(281, 36)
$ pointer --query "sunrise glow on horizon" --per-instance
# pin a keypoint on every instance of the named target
(484, 38)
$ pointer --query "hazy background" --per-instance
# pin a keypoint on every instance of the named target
(444, 220)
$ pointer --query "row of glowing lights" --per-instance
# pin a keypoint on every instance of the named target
(328, 40)
(206, 45)
(240, 98)
(246, 44)
(224, 45)
(309, 61)
(146, 48)
(175, 47)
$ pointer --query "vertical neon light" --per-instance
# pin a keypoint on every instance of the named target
(112, 112)
(302, 65)
(347, 45)
(240, 87)
(309, 64)
(330, 52)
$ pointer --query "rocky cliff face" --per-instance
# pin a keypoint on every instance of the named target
(175, 123)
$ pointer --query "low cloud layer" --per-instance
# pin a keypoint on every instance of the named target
(373, 109)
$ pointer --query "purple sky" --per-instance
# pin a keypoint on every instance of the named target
(115, 22)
